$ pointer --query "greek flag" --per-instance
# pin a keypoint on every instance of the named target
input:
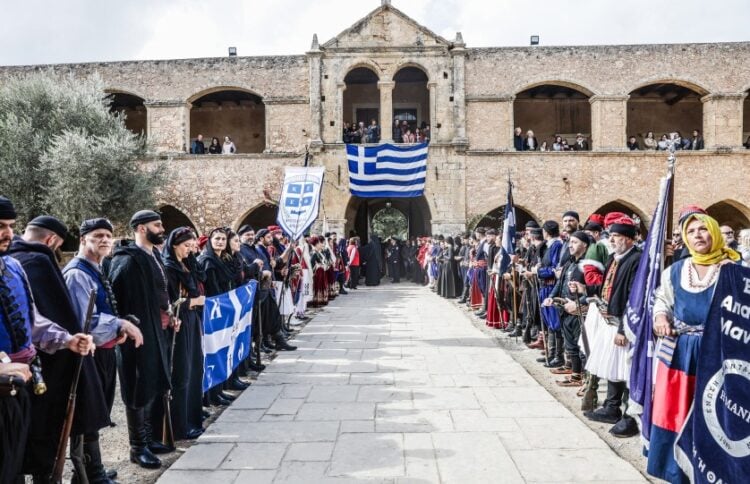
(227, 326)
(387, 170)
(508, 244)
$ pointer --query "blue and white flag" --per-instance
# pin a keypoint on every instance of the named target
(300, 199)
(387, 170)
(227, 326)
(508, 243)
(639, 315)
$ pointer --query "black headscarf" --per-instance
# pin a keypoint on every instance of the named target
(184, 271)
(224, 266)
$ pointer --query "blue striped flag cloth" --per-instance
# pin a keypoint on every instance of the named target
(387, 170)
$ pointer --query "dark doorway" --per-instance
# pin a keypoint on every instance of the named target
(261, 216)
(132, 108)
(730, 213)
(173, 218)
(361, 211)
(628, 210)
(494, 219)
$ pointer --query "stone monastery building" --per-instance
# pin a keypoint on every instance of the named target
(387, 66)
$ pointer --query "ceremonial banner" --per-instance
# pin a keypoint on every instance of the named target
(227, 327)
(300, 199)
(639, 315)
(508, 245)
(714, 444)
(387, 170)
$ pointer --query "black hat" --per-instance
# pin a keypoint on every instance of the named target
(261, 233)
(92, 224)
(245, 229)
(551, 227)
(531, 224)
(537, 232)
(582, 236)
(7, 210)
(143, 217)
(480, 230)
(492, 232)
(593, 226)
(51, 223)
(572, 213)
(624, 227)
(180, 235)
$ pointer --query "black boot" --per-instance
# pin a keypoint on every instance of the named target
(139, 451)
(77, 458)
(252, 366)
(92, 456)
(282, 345)
(267, 346)
(236, 384)
(154, 446)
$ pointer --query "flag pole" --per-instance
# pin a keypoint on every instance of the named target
(514, 284)
(671, 160)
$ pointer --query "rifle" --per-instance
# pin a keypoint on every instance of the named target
(62, 445)
(167, 432)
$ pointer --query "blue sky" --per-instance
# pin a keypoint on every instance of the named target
(54, 31)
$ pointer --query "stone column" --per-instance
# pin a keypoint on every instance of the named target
(168, 125)
(316, 112)
(432, 86)
(386, 110)
(722, 120)
(458, 53)
(340, 88)
(609, 118)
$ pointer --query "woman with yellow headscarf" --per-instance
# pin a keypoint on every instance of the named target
(681, 309)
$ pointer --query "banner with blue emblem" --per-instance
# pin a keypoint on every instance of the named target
(300, 199)
(227, 328)
(714, 444)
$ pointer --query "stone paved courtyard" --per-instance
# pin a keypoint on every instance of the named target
(394, 384)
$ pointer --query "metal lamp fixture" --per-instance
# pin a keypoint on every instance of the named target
(233, 52)
(534, 40)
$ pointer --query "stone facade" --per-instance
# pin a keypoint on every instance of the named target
(472, 100)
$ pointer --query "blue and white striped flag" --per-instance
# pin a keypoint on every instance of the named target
(227, 326)
(508, 244)
(387, 170)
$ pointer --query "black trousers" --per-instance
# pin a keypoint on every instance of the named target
(105, 360)
(571, 331)
(353, 276)
(394, 270)
(15, 420)
(187, 376)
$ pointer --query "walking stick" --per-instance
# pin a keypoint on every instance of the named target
(514, 287)
(167, 431)
(62, 444)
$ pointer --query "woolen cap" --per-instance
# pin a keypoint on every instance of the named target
(551, 227)
(143, 217)
(88, 226)
(245, 229)
(531, 224)
(7, 210)
(261, 233)
(572, 213)
(624, 226)
(51, 223)
(685, 212)
(593, 226)
(582, 236)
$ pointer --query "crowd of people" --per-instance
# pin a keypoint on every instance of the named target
(148, 295)
(198, 147)
(558, 142)
(565, 293)
(402, 132)
(648, 142)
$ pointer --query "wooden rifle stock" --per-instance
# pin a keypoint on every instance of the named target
(62, 445)
(167, 432)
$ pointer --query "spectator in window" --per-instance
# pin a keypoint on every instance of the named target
(747, 143)
(355, 136)
(518, 139)
(198, 148)
(419, 135)
(543, 146)
(404, 129)
(373, 132)
(663, 143)
(558, 144)
(633, 144)
(744, 247)
(581, 144)
(565, 145)
(697, 142)
(530, 144)
(228, 147)
(397, 132)
(214, 148)
(681, 143)
(427, 134)
(409, 136)
(362, 132)
(347, 133)
(649, 143)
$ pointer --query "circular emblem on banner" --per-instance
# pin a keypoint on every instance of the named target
(711, 395)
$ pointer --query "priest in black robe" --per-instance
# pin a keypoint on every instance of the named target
(372, 256)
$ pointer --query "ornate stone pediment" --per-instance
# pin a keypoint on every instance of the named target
(386, 26)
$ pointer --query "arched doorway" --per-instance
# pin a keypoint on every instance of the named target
(132, 107)
(627, 209)
(729, 212)
(494, 218)
(390, 222)
(360, 213)
(746, 120)
(173, 218)
(411, 98)
(664, 108)
(361, 97)
(239, 114)
(552, 109)
(261, 216)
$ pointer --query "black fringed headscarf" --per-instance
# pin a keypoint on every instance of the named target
(186, 274)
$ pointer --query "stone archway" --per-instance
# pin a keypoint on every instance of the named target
(361, 102)
(494, 218)
(664, 108)
(131, 107)
(260, 216)
(411, 99)
(173, 218)
(746, 120)
(729, 212)
(232, 112)
(626, 208)
(360, 211)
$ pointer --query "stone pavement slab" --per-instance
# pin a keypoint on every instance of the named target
(395, 385)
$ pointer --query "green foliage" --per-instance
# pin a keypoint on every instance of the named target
(62, 152)
(390, 222)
